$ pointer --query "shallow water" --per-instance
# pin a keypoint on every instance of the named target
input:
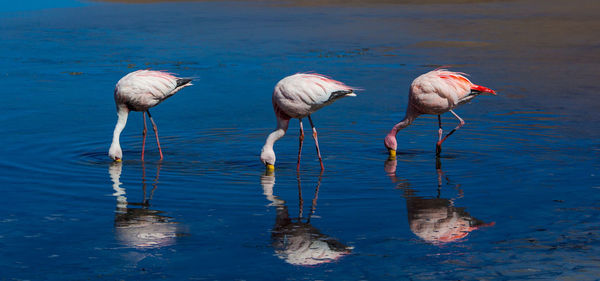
(514, 195)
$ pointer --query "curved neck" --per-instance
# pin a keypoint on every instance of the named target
(282, 126)
(408, 119)
(122, 114)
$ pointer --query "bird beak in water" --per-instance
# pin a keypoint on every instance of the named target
(270, 167)
(392, 153)
(118, 160)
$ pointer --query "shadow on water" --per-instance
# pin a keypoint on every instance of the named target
(435, 220)
(294, 239)
(136, 225)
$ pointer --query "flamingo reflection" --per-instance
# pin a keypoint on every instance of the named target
(295, 240)
(137, 225)
(435, 220)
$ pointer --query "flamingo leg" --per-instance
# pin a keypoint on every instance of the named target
(438, 146)
(300, 146)
(316, 142)
(155, 133)
(144, 133)
(439, 143)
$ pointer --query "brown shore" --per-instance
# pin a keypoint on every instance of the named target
(321, 2)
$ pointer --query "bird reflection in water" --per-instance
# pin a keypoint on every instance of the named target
(435, 220)
(137, 225)
(295, 240)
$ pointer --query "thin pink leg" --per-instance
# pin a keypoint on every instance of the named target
(316, 142)
(438, 146)
(300, 147)
(155, 133)
(144, 133)
(462, 122)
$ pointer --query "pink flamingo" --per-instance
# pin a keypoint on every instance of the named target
(436, 92)
(139, 91)
(298, 96)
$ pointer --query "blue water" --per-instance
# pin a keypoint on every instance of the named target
(515, 194)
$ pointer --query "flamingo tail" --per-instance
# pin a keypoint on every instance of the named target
(183, 81)
(338, 94)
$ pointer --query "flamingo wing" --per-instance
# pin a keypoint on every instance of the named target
(438, 91)
(143, 89)
(301, 94)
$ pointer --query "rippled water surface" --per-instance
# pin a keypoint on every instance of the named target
(515, 194)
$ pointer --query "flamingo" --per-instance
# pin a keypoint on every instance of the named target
(298, 96)
(139, 91)
(436, 92)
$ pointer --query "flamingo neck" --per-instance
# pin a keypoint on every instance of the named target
(122, 114)
(267, 154)
(274, 136)
(408, 119)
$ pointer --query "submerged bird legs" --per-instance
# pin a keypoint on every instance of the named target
(438, 147)
(301, 139)
(316, 141)
(144, 133)
(300, 145)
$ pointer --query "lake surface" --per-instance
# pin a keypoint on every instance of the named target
(515, 194)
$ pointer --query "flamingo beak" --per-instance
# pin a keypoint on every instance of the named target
(392, 153)
(270, 167)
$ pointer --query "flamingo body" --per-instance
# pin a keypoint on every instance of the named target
(301, 94)
(436, 92)
(139, 91)
(142, 89)
(298, 96)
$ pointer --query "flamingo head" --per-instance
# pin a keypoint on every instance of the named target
(115, 153)
(267, 156)
(391, 145)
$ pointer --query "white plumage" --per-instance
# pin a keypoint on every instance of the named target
(139, 91)
(297, 96)
(143, 89)
(301, 94)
